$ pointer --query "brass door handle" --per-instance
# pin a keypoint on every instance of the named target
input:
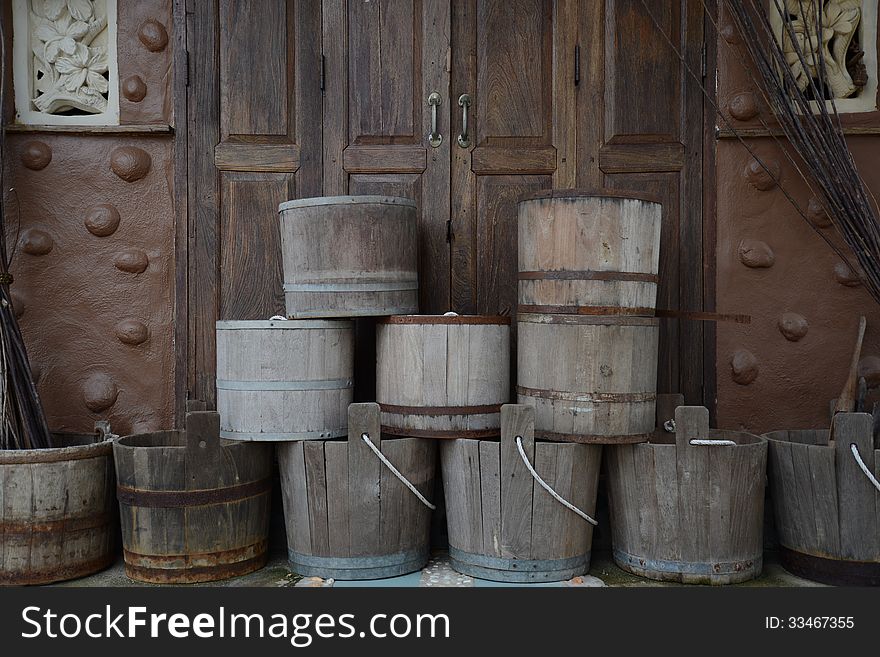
(435, 138)
(464, 101)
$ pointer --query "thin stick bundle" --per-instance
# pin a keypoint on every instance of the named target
(810, 123)
(22, 421)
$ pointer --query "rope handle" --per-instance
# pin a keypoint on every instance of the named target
(275, 318)
(858, 457)
(556, 496)
(708, 443)
(415, 491)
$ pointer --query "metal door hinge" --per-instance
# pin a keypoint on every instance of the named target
(449, 230)
(323, 72)
(577, 65)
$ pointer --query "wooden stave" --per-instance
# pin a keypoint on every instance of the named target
(609, 421)
(550, 278)
(146, 558)
(462, 496)
(340, 218)
(386, 558)
(807, 547)
(87, 538)
(646, 556)
(435, 417)
(331, 400)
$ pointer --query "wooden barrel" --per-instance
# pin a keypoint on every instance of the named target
(58, 518)
(284, 379)
(442, 376)
(503, 525)
(350, 256)
(591, 379)
(689, 513)
(587, 253)
(827, 510)
(193, 507)
(348, 516)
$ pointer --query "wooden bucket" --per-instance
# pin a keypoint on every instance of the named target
(587, 341)
(350, 256)
(283, 379)
(193, 507)
(442, 376)
(690, 513)
(587, 253)
(826, 508)
(503, 525)
(590, 379)
(348, 515)
(57, 511)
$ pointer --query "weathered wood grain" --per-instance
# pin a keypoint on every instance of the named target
(689, 513)
(516, 482)
(284, 380)
(349, 256)
(444, 377)
(192, 507)
(859, 520)
(348, 516)
(57, 511)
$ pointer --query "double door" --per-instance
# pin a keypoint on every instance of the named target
(461, 105)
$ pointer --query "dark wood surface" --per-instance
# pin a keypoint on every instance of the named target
(262, 129)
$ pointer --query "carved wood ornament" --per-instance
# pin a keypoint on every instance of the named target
(846, 74)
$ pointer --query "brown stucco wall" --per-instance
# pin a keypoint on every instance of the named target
(766, 380)
(94, 261)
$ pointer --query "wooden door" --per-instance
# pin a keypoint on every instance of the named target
(383, 60)
(641, 122)
(254, 121)
(515, 59)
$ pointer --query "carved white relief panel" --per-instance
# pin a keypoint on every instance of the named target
(65, 69)
(848, 47)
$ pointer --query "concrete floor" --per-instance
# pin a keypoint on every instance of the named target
(438, 573)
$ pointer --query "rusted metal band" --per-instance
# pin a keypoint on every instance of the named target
(585, 310)
(485, 409)
(66, 525)
(182, 498)
(99, 449)
(230, 563)
(827, 570)
(456, 320)
(477, 434)
(708, 569)
(59, 574)
(592, 439)
(589, 275)
(588, 320)
(596, 397)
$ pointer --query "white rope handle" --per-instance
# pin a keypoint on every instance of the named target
(700, 442)
(546, 486)
(275, 318)
(415, 491)
(868, 473)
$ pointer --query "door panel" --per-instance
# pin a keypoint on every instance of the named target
(255, 126)
(376, 117)
(661, 152)
(503, 57)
